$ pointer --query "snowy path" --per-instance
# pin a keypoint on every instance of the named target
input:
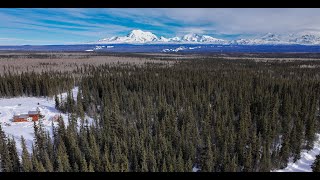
(306, 160)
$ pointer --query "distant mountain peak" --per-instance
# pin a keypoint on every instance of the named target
(141, 37)
(136, 31)
(138, 36)
(193, 37)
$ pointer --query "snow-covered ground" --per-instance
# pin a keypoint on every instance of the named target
(306, 160)
(74, 92)
(195, 169)
(99, 48)
(21, 105)
(181, 48)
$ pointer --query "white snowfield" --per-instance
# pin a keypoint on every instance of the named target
(181, 48)
(21, 105)
(306, 160)
(99, 48)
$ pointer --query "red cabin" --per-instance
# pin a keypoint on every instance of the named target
(31, 116)
(34, 115)
(20, 118)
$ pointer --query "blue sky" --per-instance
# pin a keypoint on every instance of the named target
(66, 26)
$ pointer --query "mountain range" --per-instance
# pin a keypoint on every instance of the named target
(144, 37)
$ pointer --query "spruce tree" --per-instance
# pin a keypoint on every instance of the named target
(14, 155)
(316, 164)
(26, 163)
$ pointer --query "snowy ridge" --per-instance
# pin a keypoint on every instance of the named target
(301, 38)
(144, 37)
(135, 36)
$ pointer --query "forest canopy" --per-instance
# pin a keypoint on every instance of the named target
(210, 113)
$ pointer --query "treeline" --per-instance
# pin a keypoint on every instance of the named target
(216, 115)
(35, 84)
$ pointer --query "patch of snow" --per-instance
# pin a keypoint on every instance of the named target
(308, 66)
(306, 160)
(181, 48)
(74, 92)
(99, 47)
(195, 169)
(194, 47)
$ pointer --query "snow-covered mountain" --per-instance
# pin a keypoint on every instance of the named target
(196, 38)
(267, 39)
(144, 37)
(191, 38)
(309, 38)
(302, 38)
(135, 36)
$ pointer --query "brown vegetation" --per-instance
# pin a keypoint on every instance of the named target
(25, 62)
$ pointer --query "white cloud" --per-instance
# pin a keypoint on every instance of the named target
(251, 20)
(229, 20)
(99, 23)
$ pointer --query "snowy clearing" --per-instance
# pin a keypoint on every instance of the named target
(306, 160)
(20, 105)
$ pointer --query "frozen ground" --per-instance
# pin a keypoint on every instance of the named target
(195, 169)
(306, 160)
(19, 105)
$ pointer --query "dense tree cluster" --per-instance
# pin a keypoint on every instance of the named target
(34, 84)
(217, 115)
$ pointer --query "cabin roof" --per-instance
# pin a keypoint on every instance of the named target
(33, 112)
(24, 116)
